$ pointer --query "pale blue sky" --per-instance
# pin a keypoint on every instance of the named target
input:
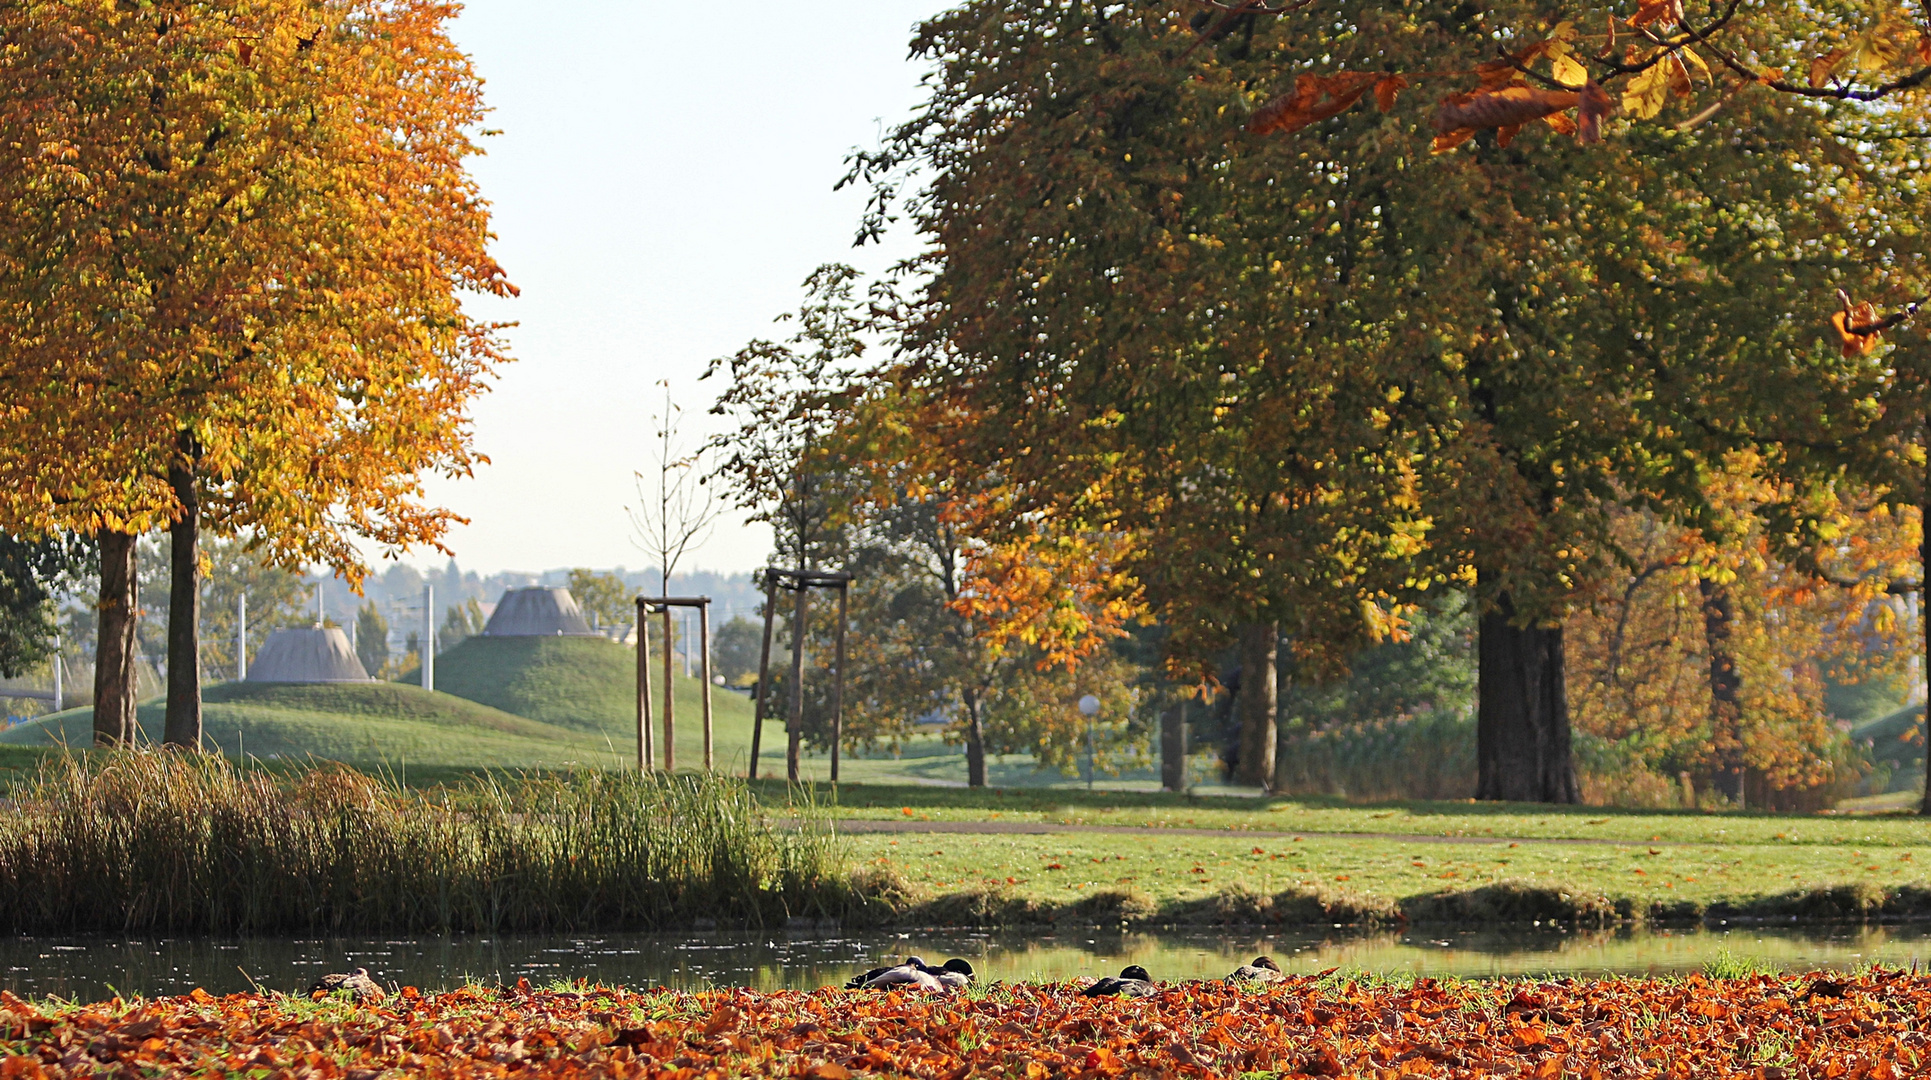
(662, 185)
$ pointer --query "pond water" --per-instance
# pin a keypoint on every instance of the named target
(91, 968)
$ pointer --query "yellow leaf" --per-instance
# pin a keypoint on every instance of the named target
(1693, 60)
(1882, 46)
(1644, 96)
(1565, 68)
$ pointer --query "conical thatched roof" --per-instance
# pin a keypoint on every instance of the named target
(307, 655)
(537, 612)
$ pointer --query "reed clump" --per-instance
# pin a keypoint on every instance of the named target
(156, 841)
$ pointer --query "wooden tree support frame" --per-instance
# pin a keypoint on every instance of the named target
(646, 744)
(798, 581)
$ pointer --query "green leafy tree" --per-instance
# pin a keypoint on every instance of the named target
(735, 651)
(31, 573)
(372, 640)
(787, 398)
(604, 598)
(276, 598)
(460, 623)
(1429, 667)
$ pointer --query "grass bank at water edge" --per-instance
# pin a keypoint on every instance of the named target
(147, 841)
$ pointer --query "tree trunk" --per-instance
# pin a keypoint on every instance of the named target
(795, 724)
(1522, 721)
(975, 740)
(1924, 622)
(1173, 747)
(1259, 643)
(114, 671)
(1726, 689)
(183, 728)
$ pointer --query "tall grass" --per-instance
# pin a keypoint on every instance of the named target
(155, 841)
(1430, 755)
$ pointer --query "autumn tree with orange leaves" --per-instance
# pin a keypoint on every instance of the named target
(1337, 304)
(953, 609)
(238, 237)
(1707, 655)
(1002, 623)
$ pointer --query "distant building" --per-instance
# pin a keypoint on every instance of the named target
(307, 655)
(538, 612)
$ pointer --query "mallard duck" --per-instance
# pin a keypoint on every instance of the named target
(356, 982)
(1262, 970)
(954, 974)
(859, 982)
(1132, 982)
(916, 975)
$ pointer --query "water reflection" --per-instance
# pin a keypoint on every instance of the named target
(90, 968)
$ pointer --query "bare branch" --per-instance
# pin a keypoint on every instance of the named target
(1895, 318)
(1846, 92)
(679, 515)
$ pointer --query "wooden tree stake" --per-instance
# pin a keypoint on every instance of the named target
(645, 752)
(838, 682)
(764, 672)
(704, 672)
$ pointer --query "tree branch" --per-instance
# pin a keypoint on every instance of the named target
(1893, 319)
(1782, 85)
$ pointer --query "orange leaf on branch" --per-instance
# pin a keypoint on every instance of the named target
(1657, 11)
(1822, 67)
(1386, 89)
(1496, 74)
(1855, 327)
(1508, 109)
(1315, 98)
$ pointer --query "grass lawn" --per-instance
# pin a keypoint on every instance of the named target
(1324, 815)
(371, 725)
(1173, 870)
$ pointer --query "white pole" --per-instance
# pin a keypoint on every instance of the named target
(321, 613)
(60, 696)
(428, 637)
(241, 638)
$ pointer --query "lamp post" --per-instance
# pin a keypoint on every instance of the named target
(1089, 706)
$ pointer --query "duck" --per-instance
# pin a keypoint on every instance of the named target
(916, 975)
(1262, 970)
(954, 974)
(859, 982)
(358, 983)
(1133, 981)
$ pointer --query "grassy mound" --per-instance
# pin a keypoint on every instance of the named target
(589, 685)
(363, 723)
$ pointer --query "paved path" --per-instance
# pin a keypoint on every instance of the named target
(1043, 828)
